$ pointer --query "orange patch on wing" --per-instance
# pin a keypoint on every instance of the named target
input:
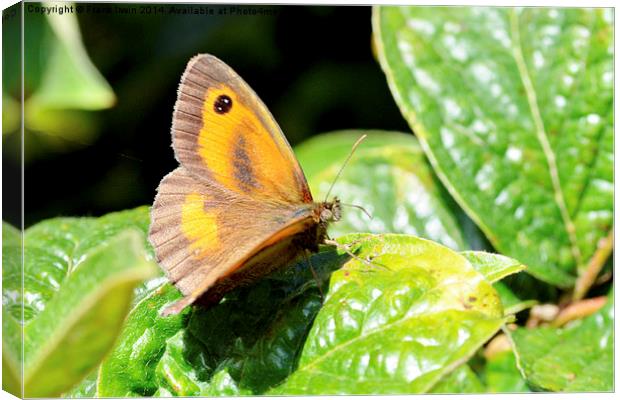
(198, 225)
(243, 143)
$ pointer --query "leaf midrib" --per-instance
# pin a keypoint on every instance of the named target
(541, 134)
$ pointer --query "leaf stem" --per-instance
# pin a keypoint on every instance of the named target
(578, 310)
(587, 278)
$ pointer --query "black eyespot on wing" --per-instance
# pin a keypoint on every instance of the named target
(222, 104)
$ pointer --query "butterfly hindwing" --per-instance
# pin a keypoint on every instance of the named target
(202, 233)
(224, 134)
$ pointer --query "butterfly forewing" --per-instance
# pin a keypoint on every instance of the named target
(223, 133)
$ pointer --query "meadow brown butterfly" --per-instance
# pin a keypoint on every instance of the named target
(239, 205)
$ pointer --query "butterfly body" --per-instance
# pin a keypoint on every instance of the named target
(239, 206)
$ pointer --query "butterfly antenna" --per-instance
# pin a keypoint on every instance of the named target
(359, 207)
(344, 164)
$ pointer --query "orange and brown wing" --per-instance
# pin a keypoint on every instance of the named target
(202, 233)
(223, 134)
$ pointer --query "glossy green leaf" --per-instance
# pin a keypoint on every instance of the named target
(54, 248)
(398, 324)
(11, 236)
(129, 370)
(578, 358)
(513, 107)
(222, 384)
(495, 267)
(389, 176)
(79, 276)
(11, 311)
(80, 323)
(251, 343)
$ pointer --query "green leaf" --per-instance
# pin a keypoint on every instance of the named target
(62, 87)
(11, 355)
(70, 80)
(388, 175)
(397, 325)
(86, 388)
(80, 323)
(461, 380)
(493, 266)
(11, 311)
(222, 384)
(11, 236)
(513, 107)
(252, 341)
(129, 370)
(79, 275)
(502, 376)
(578, 358)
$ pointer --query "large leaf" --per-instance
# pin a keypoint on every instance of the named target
(251, 342)
(388, 176)
(513, 107)
(398, 324)
(79, 279)
(578, 358)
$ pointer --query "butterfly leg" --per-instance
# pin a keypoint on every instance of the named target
(346, 249)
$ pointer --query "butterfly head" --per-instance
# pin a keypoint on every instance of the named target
(330, 211)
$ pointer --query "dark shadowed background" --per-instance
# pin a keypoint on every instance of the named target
(312, 66)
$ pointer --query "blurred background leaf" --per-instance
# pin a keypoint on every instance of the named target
(513, 107)
(61, 86)
(389, 177)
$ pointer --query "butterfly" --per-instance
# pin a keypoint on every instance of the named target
(239, 205)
